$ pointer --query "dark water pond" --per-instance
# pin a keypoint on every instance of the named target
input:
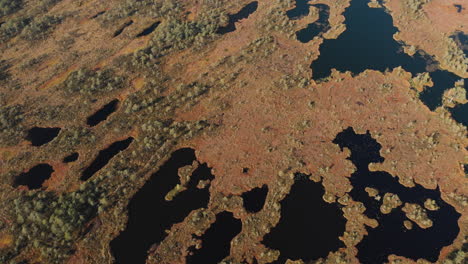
(104, 157)
(309, 227)
(391, 237)
(254, 200)
(42, 135)
(150, 214)
(216, 241)
(245, 12)
(103, 113)
(148, 30)
(35, 177)
(71, 158)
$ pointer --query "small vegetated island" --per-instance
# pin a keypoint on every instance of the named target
(253, 132)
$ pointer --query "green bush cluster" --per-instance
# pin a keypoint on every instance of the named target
(4, 75)
(458, 256)
(160, 132)
(183, 96)
(39, 28)
(454, 57)
(51, 223)
(151, 8)
(11, 129)
(13, 28)
(10, 6)
(277, 19)
(75, 136)
(175, 34)
(90, 82)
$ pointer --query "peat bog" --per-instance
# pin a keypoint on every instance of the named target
(391, 237)
(150, 214)
(309, 227)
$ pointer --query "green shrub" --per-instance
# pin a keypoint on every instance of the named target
(90, 82)
(10, 6)
(51, 223)
(11, 118)
(12, 28)
(39, 28)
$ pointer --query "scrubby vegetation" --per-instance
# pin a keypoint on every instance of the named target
(90, 82)
(11, 129)
(415, 6)
(51, 223)
(10, 6)
(40, 27)
(278, 20)
(4, 75)
(149, 8)
(458, 256)
(454, 57)
(12, 28)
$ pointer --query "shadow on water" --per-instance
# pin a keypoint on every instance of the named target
(391, 237)
(245, 12)
(309, 227)
(35, 177)
(254, 200)
(104, 157)
(150, 214)
(42, 135)
(216, 241)
(103, 113)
